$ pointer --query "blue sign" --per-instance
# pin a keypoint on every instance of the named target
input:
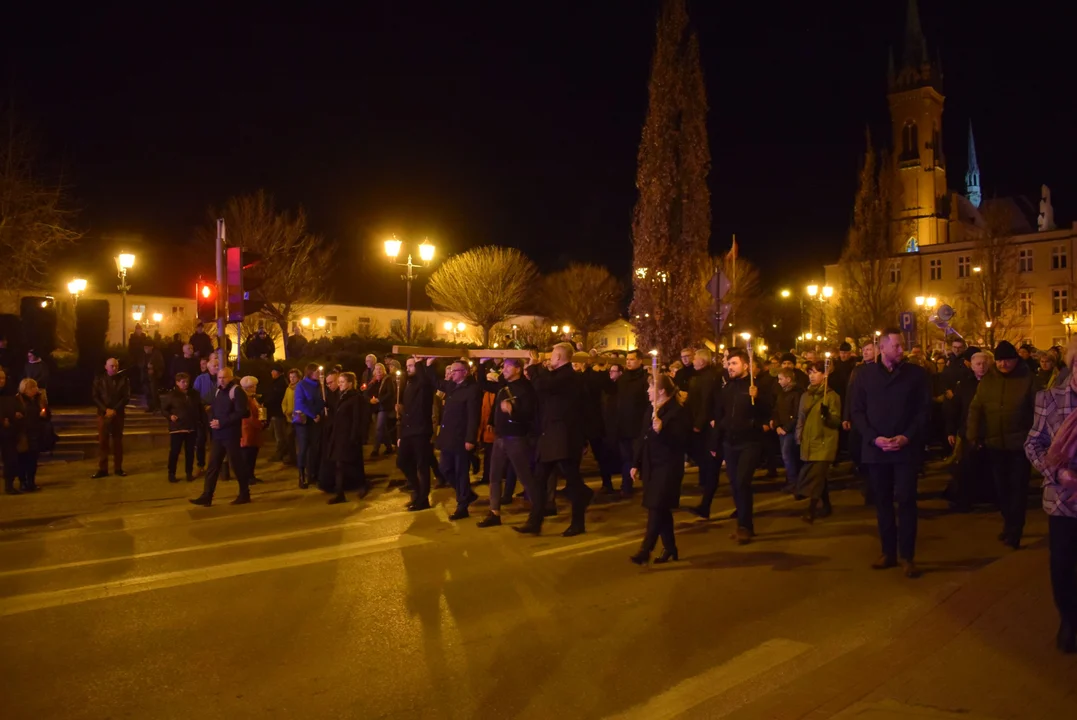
(908, 321)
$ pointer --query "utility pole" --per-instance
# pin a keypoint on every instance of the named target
(222, 298)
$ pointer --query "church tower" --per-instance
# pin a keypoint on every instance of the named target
(916, 100)
(972, 176)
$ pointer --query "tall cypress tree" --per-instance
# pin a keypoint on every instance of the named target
(671, 224)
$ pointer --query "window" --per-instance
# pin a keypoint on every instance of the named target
(330, 324)
(621, 341)
(912, 245)
(177, 310)
(140, 309)
(362, 326)
(935, 267)
(964, 266)
(1060, 301)
(1024, 260)
(603, 342)
(1059, 261)
(895, 272)
(1025, 303)
(910, 142)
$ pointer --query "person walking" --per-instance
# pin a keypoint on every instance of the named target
(183, 408)
(347, 435)
(659, 464)
(111, 393)
(817, 425)
(513, 419)
(1003, 409)
(786, 408)
(230, 406)
(458, 433)
(415, 415)
(891, 401)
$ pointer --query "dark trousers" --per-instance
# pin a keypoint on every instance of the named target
(708, 481)
(601, 451)
(282, 433)
(659, 524)
(700, 454)
(345, 472)
(250, 458)
(626, 447)
(513, 451)
(414, 462)
(181, 441)
(772, 453)
(741, 460)
(230, 449)
(1012, 473)
(1062, 538)
(200, 441)
(454, 466)
(153, 397)
(28, 468)
(578, 493)
(107, 427)
(308, 449)
(892, 482)
(487, 451)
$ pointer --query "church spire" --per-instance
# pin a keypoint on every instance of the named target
(915, 44)
(972, 177)
(916, 69)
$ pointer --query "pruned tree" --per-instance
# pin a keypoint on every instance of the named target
(870, 296)
(745, 292)
(992, 292)
(671, 223)
(485, 285)
(295, 261)
(587, 296)
(36, 218)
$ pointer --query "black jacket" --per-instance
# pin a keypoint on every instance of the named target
(189, 365)
(839, 377)
(348, 431)
(560, 394)
(957, 417)
(387, 397)
(273, 397)
(229, 408)
(631, 402)
(786, 407)
(111, 392)
(593, 383)
(202, 344)
(737, 420)
(417, 399)
(460, 414)
(891, 403)
(683, 377)
(521, 395)
(701, 391)
(186, 406)
(660, 456)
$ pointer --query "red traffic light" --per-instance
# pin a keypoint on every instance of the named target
(207, 291)
(205, 295)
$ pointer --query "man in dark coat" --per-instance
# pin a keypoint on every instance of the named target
(201, 342)
(346, 437)
(415, 417)
(273, 400)
(458, 433)
(226, 415)
(969, 465)
(185, 362)
(111, 393)
(514, 412)
(260, 346)
(700, 407)
(855, 442)
(631, 403)
(594, 430)
(683, 377)
(560, 442)
(891, 402)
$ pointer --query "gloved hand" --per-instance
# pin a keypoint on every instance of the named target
(824, 410)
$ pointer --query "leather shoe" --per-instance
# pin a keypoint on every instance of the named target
(416, 507)
(527, 529)
(549, 512)
(884, 562)
(336, 499)
(490, 520)
(460, 513)
(911, 571)
(742, 536)
(98, 475)
(241, 500)
(698, 512)
(121, 473)
(641, 558)
(573, 531)
(202, 500)
(667, 556)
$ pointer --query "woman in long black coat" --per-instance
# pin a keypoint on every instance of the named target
(347, 433)
(660, 461)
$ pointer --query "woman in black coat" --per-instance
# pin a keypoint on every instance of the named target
(660, 461)
(27, 417)
(344, 446)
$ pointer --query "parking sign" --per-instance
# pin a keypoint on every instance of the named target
(907, 321)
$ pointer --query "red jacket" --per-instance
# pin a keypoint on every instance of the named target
(252, 427)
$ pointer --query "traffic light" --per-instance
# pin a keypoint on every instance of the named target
(245, 280)
(205, 295)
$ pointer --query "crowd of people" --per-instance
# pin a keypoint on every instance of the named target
(995, 414)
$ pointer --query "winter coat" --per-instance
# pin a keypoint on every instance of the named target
(229, 407)
(1002, 408)
(372, 392)
(287, 405)
(786, 406)
(31, 424)
(180, 364)
(521, 422)
(308, 399)
(591, 403)
(890, 403)
(273, 398)
(38, 372)
(387, 397)
(631, 401)
(206, 387)
(460, 415)
(251, 430)
(348, 432)
(957, 417)
(816, 433)
(683, 377)
(486, 418)
(111, 392)
(560, 394)
(737, 419)
(701, 389)
(660, 455)
(186, 406)
(202, 344)
(417, 399)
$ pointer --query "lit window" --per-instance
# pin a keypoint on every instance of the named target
(964, 266)
(1060, 301)
(1024, 260)
(895, 272)
(1025, 303)
(935, 268)
(1059, 261)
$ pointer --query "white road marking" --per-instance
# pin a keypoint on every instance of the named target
(599, 540)
(38, 601)
(695, 691)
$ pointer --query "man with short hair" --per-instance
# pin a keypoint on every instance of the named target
(229, 408)
(632, 401)
(458, 433)
(307, 421)
(891, 409)
(513, 419)
(683, 377)
(111, 393)
(701, 389)
(415, 417)
(201, 342)
(185, 362)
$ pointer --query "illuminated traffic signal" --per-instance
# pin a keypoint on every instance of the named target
(205, 295)
(245, 279)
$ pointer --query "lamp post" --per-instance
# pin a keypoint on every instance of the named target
(926, 305)
(136, 316)
(76, 287)
(1067, 322)
(320, 322)
(124, 262)
(304, 323)
(426, 254)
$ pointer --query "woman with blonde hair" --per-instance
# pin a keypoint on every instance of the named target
(250, 440)
(26, 418)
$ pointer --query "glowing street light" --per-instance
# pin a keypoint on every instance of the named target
(305, 322)
(76, 287)
(320, 322)
(785, 293)
(460, 327)
(813, 290)
(828, 291)
(124, 262)
(447, 325)
(136, 316)
(554, 328)
(158, 317)
(426, 254)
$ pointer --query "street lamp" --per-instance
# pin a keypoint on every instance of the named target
(785, 293)
(157, 318)
(320, 322)
(305, 322)
(426, 254)
(124, 262)
(136, 316)
(76, 287)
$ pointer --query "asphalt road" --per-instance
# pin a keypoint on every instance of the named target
(121, 600)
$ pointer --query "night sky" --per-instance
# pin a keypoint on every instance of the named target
(510, 123)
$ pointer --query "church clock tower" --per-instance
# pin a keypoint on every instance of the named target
(916, 101)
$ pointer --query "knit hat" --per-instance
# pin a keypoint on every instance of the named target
(1005, 351)
(845, 347)
(789, 357)
(970, 351)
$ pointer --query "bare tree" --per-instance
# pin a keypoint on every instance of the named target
(744, 290)
(36, 220)
(992, 293)
(870, 295)
(294, 261)
(588, 297)
(486, 285)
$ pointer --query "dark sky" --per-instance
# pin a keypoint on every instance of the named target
(512, 123)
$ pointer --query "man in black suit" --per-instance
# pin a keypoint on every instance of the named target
(459, 432)
(415, 413)
(560, 443)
